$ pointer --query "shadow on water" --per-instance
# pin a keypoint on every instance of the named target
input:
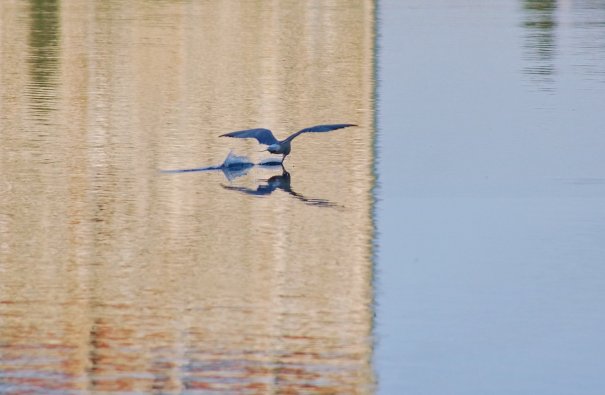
(235, 166)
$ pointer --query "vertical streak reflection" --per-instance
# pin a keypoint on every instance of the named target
(117, 279)
(540, 41)
(44, 54)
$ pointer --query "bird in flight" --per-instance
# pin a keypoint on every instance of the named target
(265, 137)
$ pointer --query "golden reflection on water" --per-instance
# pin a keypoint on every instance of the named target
(116, 277)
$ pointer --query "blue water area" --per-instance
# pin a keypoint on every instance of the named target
(491, 202)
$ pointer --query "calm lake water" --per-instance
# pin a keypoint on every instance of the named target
(452, 243)
(490, 268)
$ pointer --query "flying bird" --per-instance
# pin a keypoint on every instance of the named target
(265, 137)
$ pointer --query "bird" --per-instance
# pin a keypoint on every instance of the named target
(283, 147)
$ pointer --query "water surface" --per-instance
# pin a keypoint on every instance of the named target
(478, 271)
(490, 272)
(116, 277)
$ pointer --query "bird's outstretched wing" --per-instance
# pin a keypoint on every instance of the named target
(264, 136)
(319, 129)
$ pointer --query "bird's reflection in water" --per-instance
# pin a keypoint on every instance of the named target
(238, 166)
(282, 182)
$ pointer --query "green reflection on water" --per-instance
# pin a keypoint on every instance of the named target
(540, 43)
(44, 38)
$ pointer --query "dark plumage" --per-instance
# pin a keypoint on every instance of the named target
(266, 137)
